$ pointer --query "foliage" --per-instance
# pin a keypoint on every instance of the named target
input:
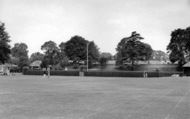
(54, 55)
(93, 53)
(64, 61)
(103, 61)
(131, 49)
(104, 57)
(53, 72)
(13, 60)
(4, 46)
(49, 47)
(20, 52)
(179, 46)
(36, 56)
(159, 55)
(51, 52)
(62, 46)
(105, 73)
(76, 50)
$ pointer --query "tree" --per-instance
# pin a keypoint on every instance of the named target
(20, 52)
(51, 52)
(36, 56)
(93, 53)
(4, 46)
(131, 49)
(62, 47)
(145, 51)
(159, 55)
(76, 50)
(104, 57)
(179, 46)
(14, 60)
(64, 61)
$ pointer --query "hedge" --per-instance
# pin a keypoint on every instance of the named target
(114, 74)
(56, 73)
(105, 73)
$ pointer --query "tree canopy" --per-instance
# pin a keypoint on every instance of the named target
(4, 44)
(159, 55)
(76, 50)
(131, 49)
(51, 52)
(64, 61)
(179, 46)
(20, 52)
(104, 57)
(93, 52)
(54, 55)
(36, 56)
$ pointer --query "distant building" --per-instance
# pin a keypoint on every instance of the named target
(36, 64)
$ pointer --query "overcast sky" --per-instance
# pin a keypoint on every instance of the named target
(105, 22)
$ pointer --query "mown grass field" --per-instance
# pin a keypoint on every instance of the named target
(36, 97)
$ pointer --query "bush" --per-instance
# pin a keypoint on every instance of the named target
(25, 68)
(113, 74)
(64, 73)
(106, 73)
(56, 73)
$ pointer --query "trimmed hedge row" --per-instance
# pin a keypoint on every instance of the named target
(163, 74)
(56, 73)
(132, 74)
(105, 73)
(114, 74)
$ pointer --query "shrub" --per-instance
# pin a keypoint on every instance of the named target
(114, 74)
(57, 73)
(105, 73)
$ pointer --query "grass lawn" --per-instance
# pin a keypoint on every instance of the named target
(35, 97)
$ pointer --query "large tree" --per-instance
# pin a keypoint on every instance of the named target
(159, 55)
(51, 52)
(4, 44)
(76, 50)
(131, 49)
(20, 52)
(64, 61)
(36, 56)
(179, 46)
(93, 53)
(104, 57)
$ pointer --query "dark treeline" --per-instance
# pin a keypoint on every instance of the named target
(76, 50)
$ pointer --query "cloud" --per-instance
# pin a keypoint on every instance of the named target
(105, 22)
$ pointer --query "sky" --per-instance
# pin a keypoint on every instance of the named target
(105, 22)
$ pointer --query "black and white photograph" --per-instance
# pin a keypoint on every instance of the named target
(94, 59)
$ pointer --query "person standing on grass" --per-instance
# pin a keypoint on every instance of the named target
(48, 71)
(145, 74)
(8, 71)
(44, 72)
